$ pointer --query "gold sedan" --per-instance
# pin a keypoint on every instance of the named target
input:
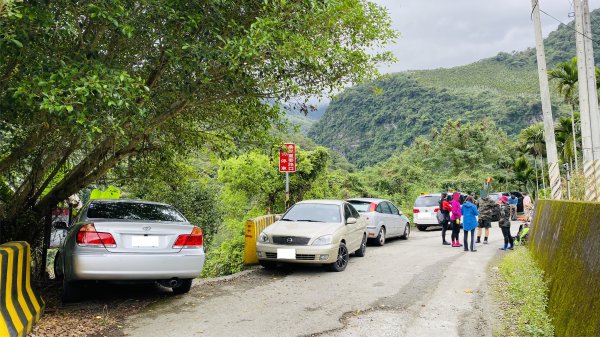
(314, 231)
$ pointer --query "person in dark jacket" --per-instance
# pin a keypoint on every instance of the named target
(504, 224)
(455, 219)
(469, 213)
(445, 209)
(486, 211)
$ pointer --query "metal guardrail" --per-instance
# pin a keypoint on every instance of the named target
(20, 306)
(253, 229)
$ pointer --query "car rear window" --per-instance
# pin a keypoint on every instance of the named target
(313, 213)
(427, 201)
(133, 211)
(494, 197)
(361, 206)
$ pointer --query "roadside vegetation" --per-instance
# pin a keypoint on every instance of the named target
(521, 296)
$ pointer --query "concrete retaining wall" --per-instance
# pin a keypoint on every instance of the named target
(253, 229)
(20, 306)
(566, 244)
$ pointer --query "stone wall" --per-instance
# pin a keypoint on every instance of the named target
(565, 242)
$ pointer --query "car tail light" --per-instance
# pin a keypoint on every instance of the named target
(89, 237)
(416, 210)
(193, 240)
(372, 207)
(436, 210)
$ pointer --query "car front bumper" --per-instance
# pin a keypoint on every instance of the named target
(302, 254)
(131, 266)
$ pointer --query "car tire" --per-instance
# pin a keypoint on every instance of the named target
(58, 273)
(421, 228)
(363, 247)
(380, 239)
(182, 287)
(268, 264)
(406, 232)
(342, 259)
(71, 291)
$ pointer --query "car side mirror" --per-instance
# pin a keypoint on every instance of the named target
(350, 221)
(277, 217)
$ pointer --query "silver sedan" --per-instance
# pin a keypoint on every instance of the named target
(126, 240)
(384, 219)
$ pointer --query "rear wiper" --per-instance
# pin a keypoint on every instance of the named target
(286, 220)
(309, 220)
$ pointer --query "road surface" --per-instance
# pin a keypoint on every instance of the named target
(414, 287)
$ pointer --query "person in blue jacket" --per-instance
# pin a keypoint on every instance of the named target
(469, 213)
(513, 202)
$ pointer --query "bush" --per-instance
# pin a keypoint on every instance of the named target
(523, 295)
(227, 259)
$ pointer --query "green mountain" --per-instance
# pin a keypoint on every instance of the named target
(368, 122)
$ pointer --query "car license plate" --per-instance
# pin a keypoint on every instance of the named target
(144, 241)
(286, 253)
(425, 215)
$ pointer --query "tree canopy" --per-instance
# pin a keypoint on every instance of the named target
(85, 85)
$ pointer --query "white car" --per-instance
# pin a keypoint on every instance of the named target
(425, 210)
(384, 219)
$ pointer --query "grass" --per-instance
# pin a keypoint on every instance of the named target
(522, 296)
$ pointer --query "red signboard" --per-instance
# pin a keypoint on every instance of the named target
(287, 158)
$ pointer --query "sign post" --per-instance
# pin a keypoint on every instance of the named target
(287, 164)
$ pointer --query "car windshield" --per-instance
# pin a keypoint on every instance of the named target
(313, 213)
(361, 206)
(133, 211)
(427, 201)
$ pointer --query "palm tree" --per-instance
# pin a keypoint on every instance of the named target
(566, 77)
(565, 138)
(532, 142)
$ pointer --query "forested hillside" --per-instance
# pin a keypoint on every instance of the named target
(367, 123)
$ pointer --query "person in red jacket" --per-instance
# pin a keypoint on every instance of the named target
(445, 209)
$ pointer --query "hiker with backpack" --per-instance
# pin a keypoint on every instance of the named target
(444, 216)
(455, 219)
(504, 224)
(486, 211)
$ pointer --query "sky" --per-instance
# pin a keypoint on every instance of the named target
(448, 33)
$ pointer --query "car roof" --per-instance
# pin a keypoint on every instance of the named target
(430, 195)
(322, 201)
(377, 200)
(129, 201)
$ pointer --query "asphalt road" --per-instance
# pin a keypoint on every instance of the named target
(415, 287)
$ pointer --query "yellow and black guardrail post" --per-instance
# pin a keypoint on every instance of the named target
(252, 231)
(20, 306)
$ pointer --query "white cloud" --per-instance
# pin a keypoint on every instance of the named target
(444, 33)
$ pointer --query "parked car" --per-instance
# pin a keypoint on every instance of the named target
(126, 240)
(425, 210)
(315, 232)
(384, 219)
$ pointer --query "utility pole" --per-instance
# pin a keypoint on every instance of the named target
(551, 152)
(588, 100)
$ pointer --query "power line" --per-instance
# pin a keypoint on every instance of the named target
(568, 26)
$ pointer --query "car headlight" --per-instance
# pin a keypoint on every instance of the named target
(263, 238)
(323, 240)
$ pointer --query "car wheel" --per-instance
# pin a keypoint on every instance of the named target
(268, 264)
(380, 239)
(363, 247)
(182, 287)
(406, 232)
(342, 258)
(421, 228)
(71, 291)
(58, 273)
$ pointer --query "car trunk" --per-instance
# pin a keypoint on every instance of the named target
(143, 236)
